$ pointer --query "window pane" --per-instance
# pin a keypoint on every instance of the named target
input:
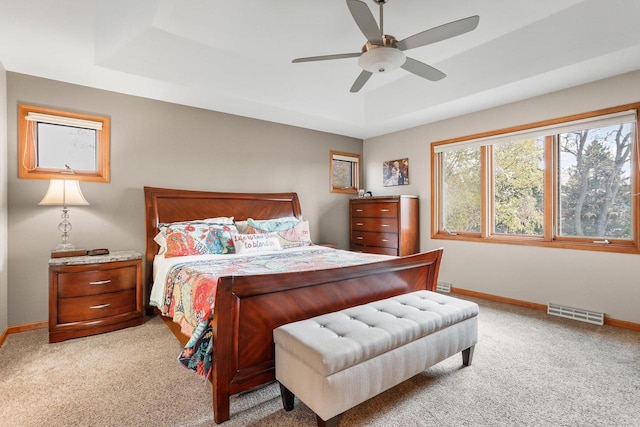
(595, 182)
(342, 174)
(59, 146)
(461, 205)
(519, 187)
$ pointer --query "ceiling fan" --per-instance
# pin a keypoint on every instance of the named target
(384, 53)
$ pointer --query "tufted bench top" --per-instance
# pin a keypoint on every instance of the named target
(336, 341)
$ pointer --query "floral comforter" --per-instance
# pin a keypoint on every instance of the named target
(190, 290)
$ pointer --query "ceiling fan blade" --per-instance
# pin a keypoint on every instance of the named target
(360, 81)
(442, 32)
(423, 70)
(365, 21)
(327, 57)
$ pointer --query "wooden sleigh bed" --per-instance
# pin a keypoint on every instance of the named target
(248, 308)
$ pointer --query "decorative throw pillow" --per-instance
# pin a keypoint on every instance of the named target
(161, 237)
(249, 243)
(197, 238)
(291, 232)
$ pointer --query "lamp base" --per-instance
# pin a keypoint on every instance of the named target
(65, 246)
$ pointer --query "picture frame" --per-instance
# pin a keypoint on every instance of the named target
(395, 172)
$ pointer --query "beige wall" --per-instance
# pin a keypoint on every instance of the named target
(602, 282)
(4, 314)
(163, 145)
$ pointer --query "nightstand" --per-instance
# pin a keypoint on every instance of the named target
(90, 295)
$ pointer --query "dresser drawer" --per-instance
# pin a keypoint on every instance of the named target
(375, 209)
(97, 281)
(373, 250)
(386, 240)
(384, 225)
(96, 306)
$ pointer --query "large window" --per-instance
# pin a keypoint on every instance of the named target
(571, 182)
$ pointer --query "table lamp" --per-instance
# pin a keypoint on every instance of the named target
(64, 192)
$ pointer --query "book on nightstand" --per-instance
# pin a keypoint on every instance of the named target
(68, 253)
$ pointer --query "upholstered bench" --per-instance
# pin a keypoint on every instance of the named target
(338, 360)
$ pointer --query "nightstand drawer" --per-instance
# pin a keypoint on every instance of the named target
(96, 281)
(375, 209)
(385, 225)
(96, 306)
(386, 240)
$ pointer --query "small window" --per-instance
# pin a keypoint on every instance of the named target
(52, 142)
(345, 172)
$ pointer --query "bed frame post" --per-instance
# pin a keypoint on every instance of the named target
(223, 358)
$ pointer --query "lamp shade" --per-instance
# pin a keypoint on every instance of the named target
(64, 192)
(381, 59)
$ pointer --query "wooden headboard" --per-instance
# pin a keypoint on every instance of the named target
(164, 205)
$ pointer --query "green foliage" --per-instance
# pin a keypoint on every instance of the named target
(461, 179)
(519, 188)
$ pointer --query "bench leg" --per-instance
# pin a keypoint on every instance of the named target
(287, 398)
(467, 355)
(331, 422)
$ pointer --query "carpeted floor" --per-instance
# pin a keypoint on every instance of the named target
(529, 369)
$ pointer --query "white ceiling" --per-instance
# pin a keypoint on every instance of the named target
(235, 56)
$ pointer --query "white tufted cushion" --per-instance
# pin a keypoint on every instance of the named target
(336, 341)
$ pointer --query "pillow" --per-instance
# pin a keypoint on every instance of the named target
(250, 243)
(241, 226)
(220, 220)
(197, 238)
(161, 240)
(291, 232)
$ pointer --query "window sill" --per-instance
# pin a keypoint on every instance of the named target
(537, 242)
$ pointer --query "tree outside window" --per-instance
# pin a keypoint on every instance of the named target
(572, 183)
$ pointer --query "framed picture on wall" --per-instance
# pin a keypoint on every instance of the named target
(395, 172)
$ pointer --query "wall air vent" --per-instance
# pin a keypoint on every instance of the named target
(576, 314)
(443, 287)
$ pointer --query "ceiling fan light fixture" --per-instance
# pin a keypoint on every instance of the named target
(381, 59)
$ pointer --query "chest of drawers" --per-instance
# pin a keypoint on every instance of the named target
(385, 225)
(91, 295)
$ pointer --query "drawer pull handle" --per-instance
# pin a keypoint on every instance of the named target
(100, 306)
(384, 225)
(359, 210)
(359, 237)
(100, 282)
(385, 240)
(384, 210)
(359, 223)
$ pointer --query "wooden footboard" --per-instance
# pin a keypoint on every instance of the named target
(249, 308)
